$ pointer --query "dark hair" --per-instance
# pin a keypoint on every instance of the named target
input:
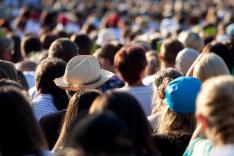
(83, 42)
(169, 50)
(8, 70)
(130, 62)
(129, 110)
(20, 133)
(8, 82)
(22, 79)
(63, 48)
(221, 50)
(16, 55)
(47, 40)
(30, 44)
(80, 102)
(46, 72)
(100, 133)
(6, 45)
(108, 52)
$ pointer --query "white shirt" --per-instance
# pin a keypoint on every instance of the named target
(226, 150)
(149, 80)
(43, 105)
(143, 95)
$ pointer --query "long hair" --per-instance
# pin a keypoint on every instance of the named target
(46, 72)
(129, 110)
(20, 133)
(80, 102)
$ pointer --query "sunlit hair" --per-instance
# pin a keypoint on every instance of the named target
(216, 102)
(210, 65)
(162, 77)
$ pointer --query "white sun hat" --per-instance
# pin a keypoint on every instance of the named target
(83, 72)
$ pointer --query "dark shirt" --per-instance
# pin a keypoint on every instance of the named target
(171, 145)
(113, 83)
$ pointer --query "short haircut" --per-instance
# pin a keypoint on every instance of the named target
(6, 45)
(8, 70)
(47, 40)
(63, 48)
(83, 42)
(169, 50)
(130, 62)
(30, 44)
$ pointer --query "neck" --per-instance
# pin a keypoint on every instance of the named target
(135, 84)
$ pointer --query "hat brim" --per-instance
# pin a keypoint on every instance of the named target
(105, 76)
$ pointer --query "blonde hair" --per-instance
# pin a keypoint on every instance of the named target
(216, 102)
(210, 65)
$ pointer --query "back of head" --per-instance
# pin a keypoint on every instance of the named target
(16, 114)
(46, 72)
(120, 103)
(6, 45)
(30, 44)
(46, 40)
(169, 50)
(210, 65)
(152, 62)
(63, 48)
(215, 102)
(130, 62)
(8, 70)
(185, 59)
(191, 40)
(222, 51)
(100, 134)
(83, 42)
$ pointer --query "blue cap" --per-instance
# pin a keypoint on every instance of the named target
(181, 94)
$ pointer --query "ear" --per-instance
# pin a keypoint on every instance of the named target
(203, 120)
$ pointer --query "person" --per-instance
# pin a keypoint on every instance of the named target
(20, 134)
(29, 45)
(191, 40)
(50, 97)
(100, 134)
(63, 48)
(185, 59)
(177, 121)
(46, 40)
(216, 96)
(83, 72)
(130, 63)
(139, 129)
(168, 52)
(161, 76)
(208, 65)
(84, 43)
(8, 70)
(106, 55)
(78, 105)
(6, 47)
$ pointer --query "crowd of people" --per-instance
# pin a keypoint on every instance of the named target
(117, 77)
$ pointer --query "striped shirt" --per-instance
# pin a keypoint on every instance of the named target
(43, 105)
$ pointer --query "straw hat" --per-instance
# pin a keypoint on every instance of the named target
(82, 72)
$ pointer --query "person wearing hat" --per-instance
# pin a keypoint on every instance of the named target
(83, 72)
(177, 121)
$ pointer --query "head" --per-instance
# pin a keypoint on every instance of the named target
(83, 42)
(30, 44)
(45, 74)
(162, 78)
(222, 51)
(152, 63)
(215, 108)
(121, 103)
(16, 53)
(185, 59)
(106, 55)
(210, 65)
(29, 136)
(100, 134)
(168, 52)
(130, 63)
(8, 70)
(6, 47)
(191, 40)
(63, 48)
(46, 40)
(178, 116)
(79, 103)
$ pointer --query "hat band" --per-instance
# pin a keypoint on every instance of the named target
(84, 84)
